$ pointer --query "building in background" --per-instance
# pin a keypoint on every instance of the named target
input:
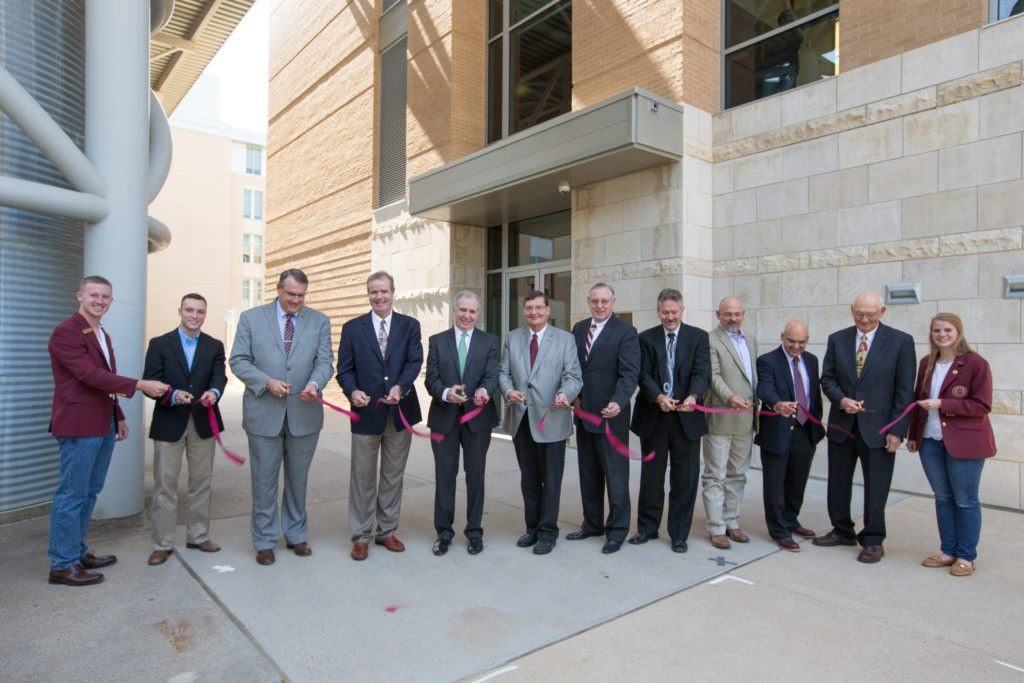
(790, 152)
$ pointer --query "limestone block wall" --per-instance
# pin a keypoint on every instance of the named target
(907, 169)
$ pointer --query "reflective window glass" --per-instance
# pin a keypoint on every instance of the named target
(538, 240)
(540, 85)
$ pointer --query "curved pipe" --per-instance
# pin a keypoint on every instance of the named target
(160, 12)
(158, 236)
(43, 198)
(160, 147)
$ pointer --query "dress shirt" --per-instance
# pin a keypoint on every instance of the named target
(871, 340)
(190, 354)
(540, 336)
(739, 342)
(282, 319)
(458, 339)
(376, 324)
(600, 326)
(933, 427)
(101, 337)
(803, 375)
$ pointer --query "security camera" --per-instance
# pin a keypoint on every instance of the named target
(563, 188)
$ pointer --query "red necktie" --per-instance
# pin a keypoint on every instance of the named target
(801, 393)
(533, 349)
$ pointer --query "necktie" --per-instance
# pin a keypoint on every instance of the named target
(862, 353)
(533, 349)
(671, 361)
(801, 393)
(289, 333)
(463, 352)
(590, 340)
(382, 339)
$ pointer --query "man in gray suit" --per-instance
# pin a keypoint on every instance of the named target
(730, 438)
(540, 378)
(278, 348)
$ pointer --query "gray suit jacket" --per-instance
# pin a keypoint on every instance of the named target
(258, 355)
(728, 378)
(556, 370)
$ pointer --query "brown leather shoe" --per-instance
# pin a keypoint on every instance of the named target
(871, 554)
(935, 561)
(391, 542)
(737, 535)
(359, 551)
(831, 539)
(302, 549)
(265, 557)
(788, 544)
(804, 532)
(962, 568)
(720, 541)
(159, 557)
(76, 575)
(206, 546)
(91, 561)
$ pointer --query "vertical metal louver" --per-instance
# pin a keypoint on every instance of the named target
(391, 151)
(42, 44)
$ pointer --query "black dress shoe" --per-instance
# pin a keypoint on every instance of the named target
(441, 546)
(526, 540)
(833, 538)
(543, 547)
(679, 546)
(76, 575)
(476, 546)
(580, 534)
(611, 547)
(91, 561)
(640, 538)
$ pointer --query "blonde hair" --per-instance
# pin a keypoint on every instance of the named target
(959, 349)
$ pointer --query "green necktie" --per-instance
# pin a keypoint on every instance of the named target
(463, 352)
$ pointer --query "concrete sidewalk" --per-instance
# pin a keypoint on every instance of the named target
(506, 613)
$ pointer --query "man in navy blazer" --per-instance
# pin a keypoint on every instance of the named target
(787, 383)
(379, 358)
(868, 376)
(675, 368)
(609, 353)
(462, 375)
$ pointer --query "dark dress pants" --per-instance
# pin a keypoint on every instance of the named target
(541, 466)
(672, 447)
(784, 478)
(446, 471)
(877, 465)
(602, 468)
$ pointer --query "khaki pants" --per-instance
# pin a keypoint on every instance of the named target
(166, 468)
(373, 509)
(726, 461)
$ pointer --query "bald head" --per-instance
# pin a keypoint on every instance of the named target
(867, 311)
(730, 314)
(794, 338)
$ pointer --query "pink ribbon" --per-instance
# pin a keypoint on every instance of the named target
(354, 417)
(466, 417)
(617, 445)
(906, 411)
(433, 436)
(731, 411)
(231, 455)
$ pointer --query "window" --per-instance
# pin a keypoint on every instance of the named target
(247, 293)
(252, 248)
(246, 248)
(529, 64)
(1001, 9)
(252, 292)
(775, 45)
(253, 160)
(252, 204)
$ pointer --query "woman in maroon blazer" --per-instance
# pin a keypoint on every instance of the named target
(952, 431)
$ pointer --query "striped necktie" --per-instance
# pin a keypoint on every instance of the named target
(590, 340)
(289, 333)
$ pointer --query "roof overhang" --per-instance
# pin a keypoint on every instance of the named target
(520, 176)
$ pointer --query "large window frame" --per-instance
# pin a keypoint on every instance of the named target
(993, 11)
(738, 47)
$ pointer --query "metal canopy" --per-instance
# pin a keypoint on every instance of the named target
(519, 176)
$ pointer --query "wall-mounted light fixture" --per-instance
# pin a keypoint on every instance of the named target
(903, 293)
(1013, 286)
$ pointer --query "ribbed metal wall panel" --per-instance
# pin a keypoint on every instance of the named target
(391, 154)
(42, 44)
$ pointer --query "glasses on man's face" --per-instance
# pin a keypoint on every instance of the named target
(600, 302)
(866, 315)
(535, 309)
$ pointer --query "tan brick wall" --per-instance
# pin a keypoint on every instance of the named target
(875, 29)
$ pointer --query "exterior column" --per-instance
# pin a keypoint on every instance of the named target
(117, 142)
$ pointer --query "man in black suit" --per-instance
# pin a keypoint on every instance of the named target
(675, 368)
(462, 375)
(868, 376)
(609, 354)
(787, 383)
(192, 363)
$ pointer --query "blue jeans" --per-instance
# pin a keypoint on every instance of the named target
(83, 468)
(957, 510)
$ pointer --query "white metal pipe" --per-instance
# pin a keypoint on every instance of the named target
(43, 198)
(117, 142)
(159, 235)
(48, 136)
(160, 147)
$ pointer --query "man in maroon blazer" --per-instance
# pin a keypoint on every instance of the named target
(86, 420)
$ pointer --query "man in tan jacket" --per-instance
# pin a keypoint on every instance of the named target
(730, 437)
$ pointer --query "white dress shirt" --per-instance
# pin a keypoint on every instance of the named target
(376, 324)
(933, 427)
(871, 340)
(101, 337)
(458, 340)
(596, 332)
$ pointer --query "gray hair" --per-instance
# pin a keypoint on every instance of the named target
(380, 275)
(669, 294)
(465, 294)
(602, 285)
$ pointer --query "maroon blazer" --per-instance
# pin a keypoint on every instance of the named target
(966, 396)
(85, 390)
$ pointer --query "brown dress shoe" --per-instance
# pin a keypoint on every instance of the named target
(871, 554)
(804, 532)
(302, 549)
(91, 561)
(159, 557)
(359, 551)
(962, 568)
(936, 560)
(265, 557)
(720, 541)
(788, 544)
(206, 546)
(831, 539)
(737, 535)
(76, 575)
(391, 542)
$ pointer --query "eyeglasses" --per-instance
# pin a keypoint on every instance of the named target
(600, 302)
(535, 309)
